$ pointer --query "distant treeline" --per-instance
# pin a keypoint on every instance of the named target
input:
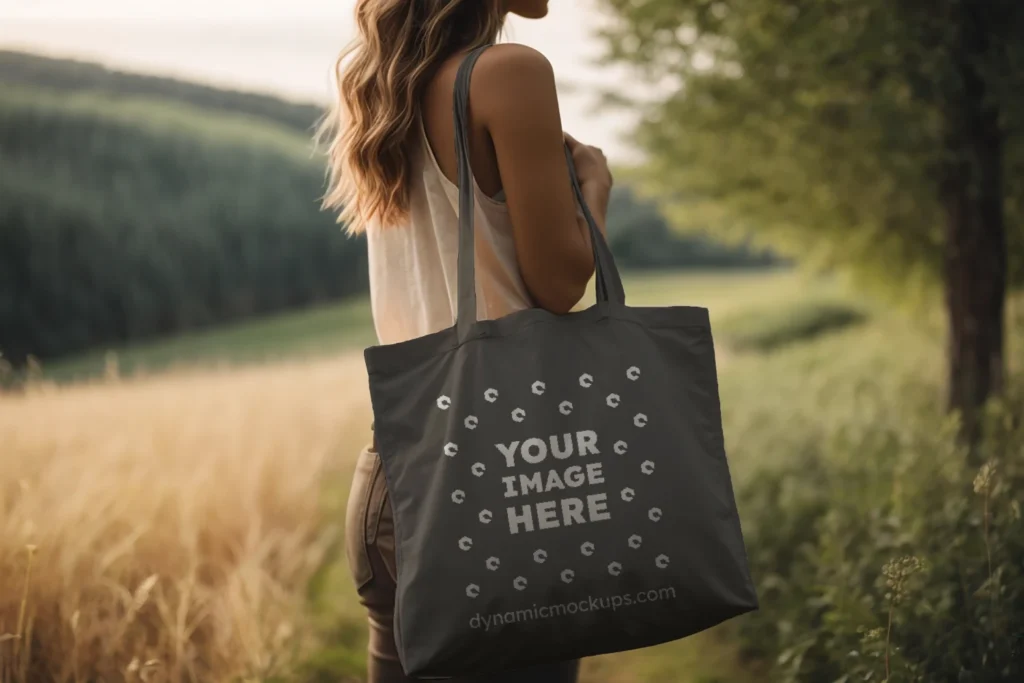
(20, 68)
(133, 207)
(118, 223)
(640, 237)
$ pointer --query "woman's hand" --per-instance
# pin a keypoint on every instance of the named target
(595, 178)
(591, 164)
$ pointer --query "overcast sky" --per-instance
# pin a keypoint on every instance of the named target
(286, 47)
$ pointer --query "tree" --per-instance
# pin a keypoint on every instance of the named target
(883, 135)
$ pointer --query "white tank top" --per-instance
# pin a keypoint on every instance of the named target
(413, 288)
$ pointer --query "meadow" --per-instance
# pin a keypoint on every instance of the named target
(176, 513)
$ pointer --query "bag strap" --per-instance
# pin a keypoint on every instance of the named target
(608, 283)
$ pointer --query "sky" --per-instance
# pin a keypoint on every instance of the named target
(287, 47)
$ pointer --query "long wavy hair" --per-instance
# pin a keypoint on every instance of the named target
(380, 79)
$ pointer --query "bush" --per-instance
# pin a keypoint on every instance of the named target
(886, 551)
(767, 329)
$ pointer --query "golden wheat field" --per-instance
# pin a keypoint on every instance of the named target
(162, 529)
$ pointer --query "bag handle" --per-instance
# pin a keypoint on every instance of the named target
(608, 282)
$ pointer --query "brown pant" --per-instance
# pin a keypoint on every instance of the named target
(370, 545)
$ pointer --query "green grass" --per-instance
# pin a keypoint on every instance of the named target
(316, 331)
(723, 293)
(348, 325)
(738, 303)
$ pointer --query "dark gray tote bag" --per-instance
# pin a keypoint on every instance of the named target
(559, 482)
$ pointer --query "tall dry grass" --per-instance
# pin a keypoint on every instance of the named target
(163, 529)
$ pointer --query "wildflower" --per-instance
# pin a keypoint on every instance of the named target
(983, 480)
(872, 635)
(896, 573)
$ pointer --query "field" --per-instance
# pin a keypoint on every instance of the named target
(332, 329)
(186, 525)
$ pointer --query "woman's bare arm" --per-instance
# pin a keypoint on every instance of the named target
(513, 95)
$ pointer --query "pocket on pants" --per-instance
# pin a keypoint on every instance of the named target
(362, 516)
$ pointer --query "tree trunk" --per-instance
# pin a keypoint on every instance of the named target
(975, 249)
(975, 293)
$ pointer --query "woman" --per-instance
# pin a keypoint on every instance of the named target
(393, 175)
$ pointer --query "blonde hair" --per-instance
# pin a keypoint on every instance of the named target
(380, 78)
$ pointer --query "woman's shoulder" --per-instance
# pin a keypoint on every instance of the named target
(508, 78)
(512, 61)
(514, 55)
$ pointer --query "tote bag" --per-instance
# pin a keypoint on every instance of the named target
(559, 482)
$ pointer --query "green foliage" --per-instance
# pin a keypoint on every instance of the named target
(766, 329)
(639, 237)
(126, 219)
(845, 468)
(824, 129)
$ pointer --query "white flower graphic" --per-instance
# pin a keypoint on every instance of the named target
(634, 541)
(458, 496)
(614, 568)
(565, 407)
(640, 420)
(493, 563)
(470, 422)
(478, 469)
(538, 388)
(451, 449)
(654, 514)
(485, 516)
(586, 380)
(472, 590)
(620, 447)
(647, 467)
(491, 395)
(661, 561)
(628, 494)
(519, 583)
(443, 402)
(612, 400)
(587, 548)
(567, 575)
(540, 555)
(633, 373)
(518, 414)
(465, 543)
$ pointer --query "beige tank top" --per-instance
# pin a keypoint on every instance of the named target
(413, 288)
